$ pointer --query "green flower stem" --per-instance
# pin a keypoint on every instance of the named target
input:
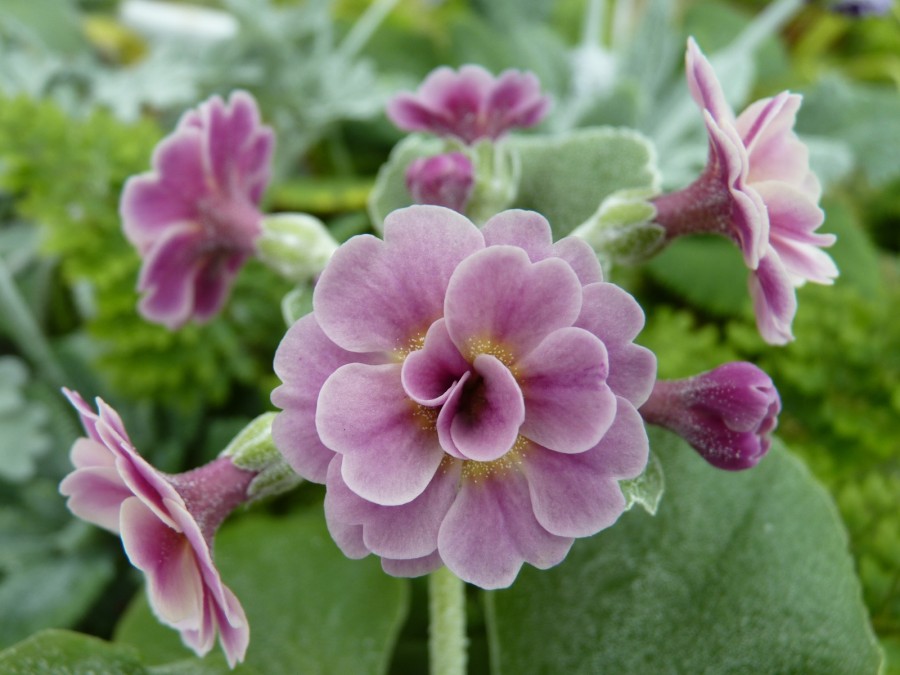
(447, 641)
(365, 27)
(23, 329)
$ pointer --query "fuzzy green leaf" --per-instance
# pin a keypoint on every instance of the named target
(738, 573)
(66, 653)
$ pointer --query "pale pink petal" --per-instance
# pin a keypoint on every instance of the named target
(390, 452)
(482, 422)
(349, 538)
(234, 630)
(428, 373)
(304, 360)
(95, 495)
(413, 567)
(704, 85)
(498, 296)
(381, 295)
(528, 230)
(616, 318)
(174, 585)
(774, 299)
(491, 530)
(167, 277)
(405, 531)
(568, 405)
(581, 257)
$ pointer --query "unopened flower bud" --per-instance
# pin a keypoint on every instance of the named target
(442, 180)
(296, 245)
(726, 414)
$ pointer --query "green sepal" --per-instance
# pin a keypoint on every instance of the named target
(622, 229)
(254, 450)
(647, 489)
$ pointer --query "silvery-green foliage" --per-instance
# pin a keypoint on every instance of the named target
(23, 435)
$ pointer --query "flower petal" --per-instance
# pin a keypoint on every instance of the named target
(616, 318)
(704, 85)
(390, 452)
(774, 299)
(174, 585)
(95, 495)
(168, 275)
(491, 530)
(579, 495)
(304, 360)
(428, 373)
(407, 531)
(498, 296)
(380, 295)
(568, 405)
(482, 421)
(414, 567)
(148, 206)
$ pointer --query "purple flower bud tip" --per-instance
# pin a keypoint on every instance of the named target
(470, 104)
(442, 180)
(167, 524)
(468, 396)
(194, 218)
(726, 414)
(758, 190)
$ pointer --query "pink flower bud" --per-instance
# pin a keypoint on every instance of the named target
(442, 180)
(726, 414)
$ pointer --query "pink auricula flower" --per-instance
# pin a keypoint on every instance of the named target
(467, 396)
(195, 218)
(470, 104)
(726, 414)
(167, 523)
(758, 190)
(442, 180)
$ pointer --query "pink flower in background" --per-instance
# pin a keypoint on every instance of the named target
(194, 219)
(442, 180)
(467, 396)
(726, 414)
(758, 190)
(470, 104)
(167, 523)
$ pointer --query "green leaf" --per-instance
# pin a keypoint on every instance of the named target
(705, 270)
(567, 177)
(65, 653)
(738, 573)
(311, 610)
(23, 435)
(51, 593)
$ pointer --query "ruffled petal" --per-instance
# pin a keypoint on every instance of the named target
(174, 585)
(481, 422)
(568, 405)
(528, 230)
(499, 299)
(234, 630)
(148, 207)
(382, 295)
(428, 373)
(391, 451)
(304, 360)
(704, 85)
(774, 299)
(96, 495)
(168, 275)
(414, 567)
(407, 531)
(491, 530)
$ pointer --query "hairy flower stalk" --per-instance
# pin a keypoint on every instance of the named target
(195, 218)
(167, 523)
(467, 396)
(758, 190)
(726, 414)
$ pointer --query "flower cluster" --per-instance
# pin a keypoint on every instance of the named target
(450, 376)
(194, 219)
(758, 190)
(167, 523)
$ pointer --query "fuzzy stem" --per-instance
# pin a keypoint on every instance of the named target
(703, 207)
(447, 641)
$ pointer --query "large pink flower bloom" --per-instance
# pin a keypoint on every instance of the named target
(194, 219)
(470, 104)
(758, 190)
(166, 522)
(467, 396)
